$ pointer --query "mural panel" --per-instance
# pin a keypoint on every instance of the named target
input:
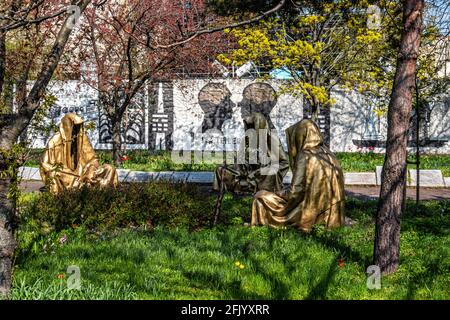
(71, 96)
(160, 99)
(208, 115)
(134, 130)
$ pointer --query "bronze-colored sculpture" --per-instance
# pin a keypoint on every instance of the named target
(70, 161)
(316, 193)
(248, 177)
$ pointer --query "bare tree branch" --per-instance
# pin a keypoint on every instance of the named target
(229, 26)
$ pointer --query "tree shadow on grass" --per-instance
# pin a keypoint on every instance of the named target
(213, 279)
(319, 291)
(431, 218)
(423, 279)
(344, 249)
(233, 288)
(279, 289)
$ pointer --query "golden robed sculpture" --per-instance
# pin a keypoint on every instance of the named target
(316, 193)
(251, 176)
(70, 162)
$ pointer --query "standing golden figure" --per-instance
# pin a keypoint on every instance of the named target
(252, 176)
(70, 161)
(316, 193)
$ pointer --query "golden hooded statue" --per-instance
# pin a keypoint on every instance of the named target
(253, 173)
(69, 160)
(316, 193)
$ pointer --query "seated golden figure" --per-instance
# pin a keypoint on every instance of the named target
(316, 193)
(70, 161)
(248, 177)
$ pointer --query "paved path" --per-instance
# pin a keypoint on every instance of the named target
(360, 192)
(371, 192)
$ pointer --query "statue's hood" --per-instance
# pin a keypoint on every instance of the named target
(302, 136)
(67, 124)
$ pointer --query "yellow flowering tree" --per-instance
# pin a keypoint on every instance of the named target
(319, 44)
(375, 79)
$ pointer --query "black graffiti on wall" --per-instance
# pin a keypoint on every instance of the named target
(104, 128)
(86, 109)
(133, 123)
(161, 121)
(258, 97)
(421, 129)
(215, 101)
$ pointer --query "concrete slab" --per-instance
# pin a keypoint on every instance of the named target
(180, 176)
(427, 178)
(123, 174)
(378, 174)
(200, 177)
(141, 176)
(447, 182)
(360, 178)
(164, 175)
(29, 173)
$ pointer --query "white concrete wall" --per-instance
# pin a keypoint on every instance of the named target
(353, 118)
(440, 123)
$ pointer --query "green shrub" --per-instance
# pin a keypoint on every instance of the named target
(135, 204)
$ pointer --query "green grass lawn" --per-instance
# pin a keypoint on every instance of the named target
(142, 160)
(367, 162)
(161, 262)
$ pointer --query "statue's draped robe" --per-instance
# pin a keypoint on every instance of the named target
(69, 160)
(316, 193)
(248, 176)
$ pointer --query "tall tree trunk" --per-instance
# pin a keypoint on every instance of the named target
(393, 176)
(116, 141)
(12, 126)
(7, 241)
(2, 59)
